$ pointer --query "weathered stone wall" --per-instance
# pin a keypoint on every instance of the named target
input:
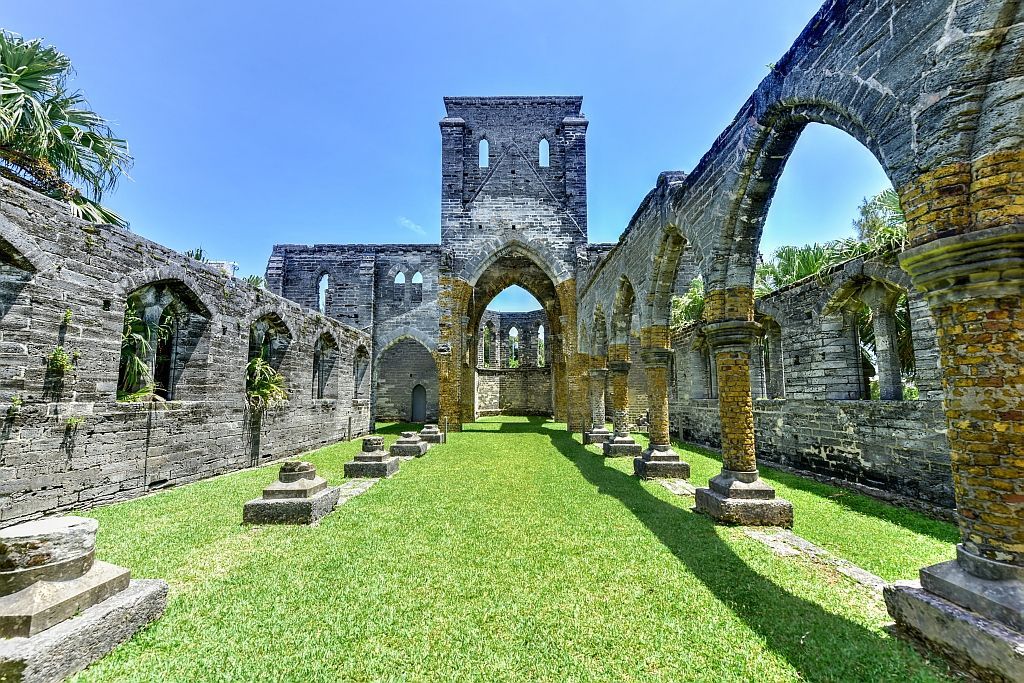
(67, 442)
(400, 368)
(513, 391)
(811, 366)
(892, 446)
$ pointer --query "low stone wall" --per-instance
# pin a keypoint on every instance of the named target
(66, 442)
(896, 447)
(513, 391)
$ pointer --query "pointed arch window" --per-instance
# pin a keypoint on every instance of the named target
(484, 154)
(513, 348)
(416, 293)
(540, 347)
(399, 287)
(321, 287)
(544, 153)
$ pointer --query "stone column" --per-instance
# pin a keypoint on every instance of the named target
(972, 608)
(598, 433)
(622, 444)
(882, 302)
(738, 495)
(659, 460)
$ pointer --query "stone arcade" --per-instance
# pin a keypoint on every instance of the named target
(933, 88)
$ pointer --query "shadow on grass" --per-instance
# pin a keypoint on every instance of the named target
(855, 502)
(396, 427)
(821, 645)
(521, 425)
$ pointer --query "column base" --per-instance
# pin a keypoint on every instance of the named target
(597, 435)
(745, 499)
(985, 648)
(660, 462)
(291, 510)
(70, 646)
(622, 446)
(1000, 597)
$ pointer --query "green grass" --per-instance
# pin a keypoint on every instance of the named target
(511, 553)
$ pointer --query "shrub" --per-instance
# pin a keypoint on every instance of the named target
(264, 386)
(60, 361)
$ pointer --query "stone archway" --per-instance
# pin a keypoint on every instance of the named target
(467, 300)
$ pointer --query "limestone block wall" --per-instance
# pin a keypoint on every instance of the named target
(67, 443)
(895, 447)
(820, 421)
(513, 391)
(400, 368)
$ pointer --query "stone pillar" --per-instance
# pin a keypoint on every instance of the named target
(659, 460)
(598, 432)
(452, 300)
(882, 302)
(622, 444)
(738, 495)
(972, 608)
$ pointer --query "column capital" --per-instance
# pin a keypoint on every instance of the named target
(619, 366)
(732, 334)
(980, 264)
(598, 373)
(656, 357)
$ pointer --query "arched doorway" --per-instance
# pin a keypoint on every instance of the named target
(419, 404)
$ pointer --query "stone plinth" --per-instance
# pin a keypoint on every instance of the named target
(48, 574)
(298, 496)
(373, 462)
(431, 434)
(743, 498)
(983, 647)
(599, 435)
(622, 446)
(660, 462)
(409, 445)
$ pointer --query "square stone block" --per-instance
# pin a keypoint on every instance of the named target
(661, 469)
(1001, 601)
(410, 450)
(47, 603)
(290, 510)
(371, 469)
(985, 648)
(597, 436)
(622, 448)
(744, 511)
(70, 646)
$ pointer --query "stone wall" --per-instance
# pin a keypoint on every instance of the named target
(400, 368)
(895, 447)
(810, 364)
(66, 442)
(513, 391)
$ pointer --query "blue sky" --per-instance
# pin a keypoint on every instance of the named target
(254, 123)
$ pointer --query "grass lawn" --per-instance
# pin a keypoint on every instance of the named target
(511, 553)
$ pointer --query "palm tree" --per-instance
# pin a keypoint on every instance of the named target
(50, 141)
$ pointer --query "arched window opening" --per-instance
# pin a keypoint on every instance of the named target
(164, 326)
(416, 294)
(488, 337)
(541, 347)
(360, 376)
(484, 154)
(325, 356)
(269, 340)
(513, 348)
(321, 286)
(544, 153)
(399, 287)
